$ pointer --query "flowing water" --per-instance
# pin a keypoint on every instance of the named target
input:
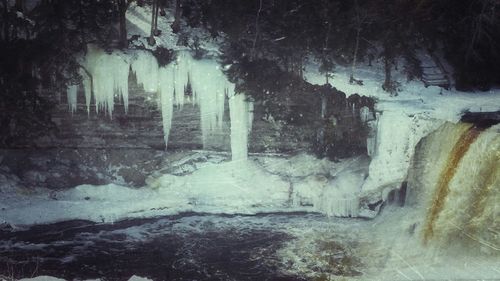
(184, 247)
(455, 179)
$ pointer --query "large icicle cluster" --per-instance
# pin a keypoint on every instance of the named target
(209, 85)
(109, 77)
(201, 82)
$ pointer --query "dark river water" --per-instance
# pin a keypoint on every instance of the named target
(184, 247)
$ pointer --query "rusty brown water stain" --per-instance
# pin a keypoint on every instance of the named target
(481, 194)
(442, 187)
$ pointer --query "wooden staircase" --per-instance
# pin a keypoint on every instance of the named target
(433, 71)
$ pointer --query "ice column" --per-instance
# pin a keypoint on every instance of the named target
(241, 119)
(166, 88)
(71, 93)
(87, 88)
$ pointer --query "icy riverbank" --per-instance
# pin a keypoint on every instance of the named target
(198, 183)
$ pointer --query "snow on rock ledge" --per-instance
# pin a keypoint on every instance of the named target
(396, 138)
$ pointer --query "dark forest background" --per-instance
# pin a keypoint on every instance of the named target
(266, 41)
(466, 33)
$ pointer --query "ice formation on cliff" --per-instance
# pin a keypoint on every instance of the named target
(109, 77)
(72, 98)
(200, 82)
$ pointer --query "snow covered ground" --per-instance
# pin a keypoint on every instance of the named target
(210, 185)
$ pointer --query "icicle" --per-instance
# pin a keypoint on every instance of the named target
(365, 114)
(182, 69)
(72, 97)
(87, 87)
(145, 67)
(209, 84)
(103, 86)
(323, 107)
(121, 84)
(241, 118)
(250, 116)
(340, 197)
(110, 76)
(166, 87)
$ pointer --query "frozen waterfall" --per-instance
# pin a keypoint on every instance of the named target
(241, 125)
(455, 176)
(201, 82)
(209, 85)
(109, 77)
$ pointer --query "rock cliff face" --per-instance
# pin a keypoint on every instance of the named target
(92, 148)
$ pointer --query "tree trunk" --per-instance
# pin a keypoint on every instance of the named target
(325, 51)
(356, 45)
(123, 23)
(163, 4)
(151, 39)
(156, 32)
(20, 6)
(6, 21)
(354, 59)
(176, 26)
(81, 22)
(256, 30)
(123, 30)
(387, 69)
(389, 85)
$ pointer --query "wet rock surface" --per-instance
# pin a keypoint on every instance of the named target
(86, 147)
(64, 168)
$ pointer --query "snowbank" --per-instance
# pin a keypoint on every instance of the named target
(230, 187)
(262, 184)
